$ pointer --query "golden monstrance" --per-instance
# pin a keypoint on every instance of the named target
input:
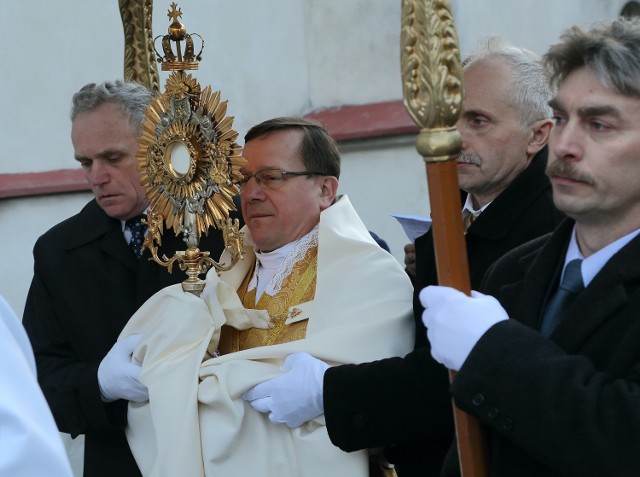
(189, 160)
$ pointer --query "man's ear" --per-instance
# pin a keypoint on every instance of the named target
(328, 191)
(540, 132)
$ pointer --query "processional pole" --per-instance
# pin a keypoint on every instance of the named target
(139, 56)
(433, 94)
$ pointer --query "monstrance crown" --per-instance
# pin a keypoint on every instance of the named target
(190, 162)
(174, 58)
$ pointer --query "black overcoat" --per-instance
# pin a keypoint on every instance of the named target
(568, 405)
(86, 285)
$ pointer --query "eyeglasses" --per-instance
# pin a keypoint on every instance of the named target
(273, 178)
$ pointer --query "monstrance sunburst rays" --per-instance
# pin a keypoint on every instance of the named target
(189, 161)
(207, 187)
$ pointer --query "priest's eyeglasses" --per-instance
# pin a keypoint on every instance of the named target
(273, 178)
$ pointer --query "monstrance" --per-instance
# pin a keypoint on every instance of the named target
(189, 160)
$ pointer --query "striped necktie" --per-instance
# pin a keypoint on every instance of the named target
(468, 218)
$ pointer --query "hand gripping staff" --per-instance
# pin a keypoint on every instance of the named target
(433, 93)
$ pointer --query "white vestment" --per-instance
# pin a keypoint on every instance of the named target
(30, 444)
(196, 422)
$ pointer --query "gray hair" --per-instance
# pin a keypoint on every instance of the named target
(610, 49)
(530, 90)
(133, 98)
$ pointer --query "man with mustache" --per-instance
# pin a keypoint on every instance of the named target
(88, 281)
(551, 368)
(505, 124)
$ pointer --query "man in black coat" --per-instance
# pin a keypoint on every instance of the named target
(553, 368)
(521, 212)
(388, 403)
(88, 282)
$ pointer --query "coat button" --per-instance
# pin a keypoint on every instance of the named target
(358, 421)
(493, 413)
(478, 400)
(75, 420)
(507, 425)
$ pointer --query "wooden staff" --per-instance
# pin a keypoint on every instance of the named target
(433, 94)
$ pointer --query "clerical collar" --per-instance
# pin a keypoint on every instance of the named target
(272, 268)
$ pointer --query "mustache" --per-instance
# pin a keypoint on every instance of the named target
(568, 170)
(469, 159)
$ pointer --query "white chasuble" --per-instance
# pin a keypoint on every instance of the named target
(196, 422)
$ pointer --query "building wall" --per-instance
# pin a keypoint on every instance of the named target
(282, 57)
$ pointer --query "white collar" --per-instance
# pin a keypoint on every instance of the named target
(468, 206)
(594, 263)
(273, 267)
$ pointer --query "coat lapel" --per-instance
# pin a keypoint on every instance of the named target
(526, 299)
(498, 219)
(608, 293)
(94, 225)
(114, 244)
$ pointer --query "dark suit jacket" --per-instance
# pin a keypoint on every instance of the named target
(568, 405)
(404, 404)
(86, 285)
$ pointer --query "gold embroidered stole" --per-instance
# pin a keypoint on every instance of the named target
(298, 287)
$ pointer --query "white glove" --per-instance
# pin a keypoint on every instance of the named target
(294, 397)
(118, 375)
(455, 322)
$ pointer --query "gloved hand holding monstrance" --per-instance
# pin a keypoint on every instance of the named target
(189, 160)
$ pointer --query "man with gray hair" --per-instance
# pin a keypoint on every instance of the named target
(504, 125)
(400, 404)
(551, 367)
(90, 276)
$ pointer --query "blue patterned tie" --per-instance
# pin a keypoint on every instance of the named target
(571, 285)
(138, 230)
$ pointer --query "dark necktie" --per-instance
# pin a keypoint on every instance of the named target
(570, 286)
(138, 230)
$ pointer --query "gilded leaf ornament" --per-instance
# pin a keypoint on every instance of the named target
(431, 64)
(139, 64)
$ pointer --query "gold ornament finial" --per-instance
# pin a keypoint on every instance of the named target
(174, 13)
(139, 57)
(174, 58)
(432, 76)
(190, 164)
